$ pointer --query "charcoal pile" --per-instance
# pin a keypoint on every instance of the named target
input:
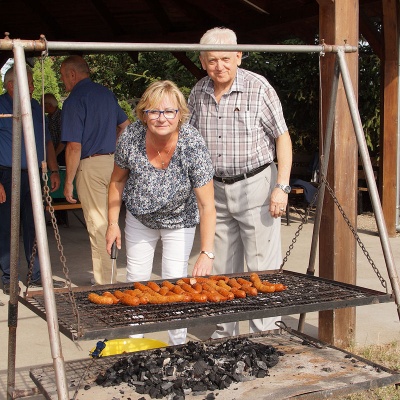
(195, 367)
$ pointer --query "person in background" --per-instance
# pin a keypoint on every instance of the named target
(163, 173)
(240, 117)
(54, 123)
(28, 226)
(91, 120)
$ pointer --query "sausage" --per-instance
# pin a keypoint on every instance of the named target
(280, 287)
(232, 282)
(259, 285)
(219, 278)
(227, 294)
(214, 297)
(244, 282)
(238, 293)
(153, 286)
(186, 297)
(143, 288)
(109, 294)
(251, 291)
(187, 288)
(224, 285)
(177, 289)
(168, 285)
(129, 300)
(118, 294)
(163, 291)
(198, 297)
(197, 287)
(97, 299)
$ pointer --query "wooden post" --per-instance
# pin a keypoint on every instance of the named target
(389, 114)
(337, 259)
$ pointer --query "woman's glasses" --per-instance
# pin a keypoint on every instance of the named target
(169, 113)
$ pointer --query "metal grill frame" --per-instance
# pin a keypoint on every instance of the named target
(94, 323)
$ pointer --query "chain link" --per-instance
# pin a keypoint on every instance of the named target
(349, 224)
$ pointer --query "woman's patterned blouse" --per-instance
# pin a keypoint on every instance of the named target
(164, 199)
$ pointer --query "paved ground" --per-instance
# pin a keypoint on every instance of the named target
(375, 324)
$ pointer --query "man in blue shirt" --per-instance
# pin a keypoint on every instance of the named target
(91, 121)
(6, 107)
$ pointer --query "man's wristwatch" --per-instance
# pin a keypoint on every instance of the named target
(209, 254)
(285, 188)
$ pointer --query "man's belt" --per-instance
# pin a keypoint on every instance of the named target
(98, 154)
(232, 179)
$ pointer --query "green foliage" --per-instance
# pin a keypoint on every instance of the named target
(128, 110)
(294, 76)
(50, 79)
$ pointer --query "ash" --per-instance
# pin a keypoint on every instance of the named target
(195, 367)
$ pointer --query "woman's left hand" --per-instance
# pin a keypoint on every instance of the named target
(203, 266)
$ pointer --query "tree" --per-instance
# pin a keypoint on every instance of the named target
(50, 79)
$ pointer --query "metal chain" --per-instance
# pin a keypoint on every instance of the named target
(349, 224)
(355, 234)
(48, 200)
(297, 233)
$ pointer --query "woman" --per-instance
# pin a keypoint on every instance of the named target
(163, 173)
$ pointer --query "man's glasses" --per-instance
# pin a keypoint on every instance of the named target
(155, 114)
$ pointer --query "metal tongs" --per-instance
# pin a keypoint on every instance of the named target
(114, 252)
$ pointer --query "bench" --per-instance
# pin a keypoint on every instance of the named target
(302, 168)
(362, 182)
(65, 206)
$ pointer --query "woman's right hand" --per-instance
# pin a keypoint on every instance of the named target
(113, 234)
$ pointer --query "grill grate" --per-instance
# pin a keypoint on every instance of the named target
(304, 293)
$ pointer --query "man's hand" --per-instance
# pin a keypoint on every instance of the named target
(68, 192)
(55, 181)
(278, 203)
(3, 196)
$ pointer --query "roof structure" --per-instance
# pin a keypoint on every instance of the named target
(172, 21)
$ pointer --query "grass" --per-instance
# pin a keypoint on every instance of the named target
(387, 355)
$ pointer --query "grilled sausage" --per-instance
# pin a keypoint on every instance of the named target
(97, 299)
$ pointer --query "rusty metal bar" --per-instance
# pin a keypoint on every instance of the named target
(369, 173)
(14, 239)
(43, 45)
(40, 226)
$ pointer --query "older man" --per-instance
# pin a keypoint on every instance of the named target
(240, 117)
(91, 120)
(6, 107)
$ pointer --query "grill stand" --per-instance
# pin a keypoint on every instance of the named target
(18, 47)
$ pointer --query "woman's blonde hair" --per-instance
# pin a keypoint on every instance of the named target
(155, 93)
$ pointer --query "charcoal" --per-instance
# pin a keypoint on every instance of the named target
(261, 373)
(195, 368)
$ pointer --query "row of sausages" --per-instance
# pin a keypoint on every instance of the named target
(199, 289)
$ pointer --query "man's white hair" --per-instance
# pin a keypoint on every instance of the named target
(219, 36)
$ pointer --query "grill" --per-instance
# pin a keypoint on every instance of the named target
(304, 371)
(304, 294)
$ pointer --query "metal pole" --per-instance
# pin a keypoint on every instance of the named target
(43, 45)
(324, 169)
(14, 239)
(369, 173)
(40, 226)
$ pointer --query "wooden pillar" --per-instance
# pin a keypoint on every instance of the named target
(337, 249)
(389, 114)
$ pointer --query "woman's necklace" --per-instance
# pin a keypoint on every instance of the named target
(159, 153)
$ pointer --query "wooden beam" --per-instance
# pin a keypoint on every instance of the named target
(337, 249)
(389, 114)
(190, 66)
